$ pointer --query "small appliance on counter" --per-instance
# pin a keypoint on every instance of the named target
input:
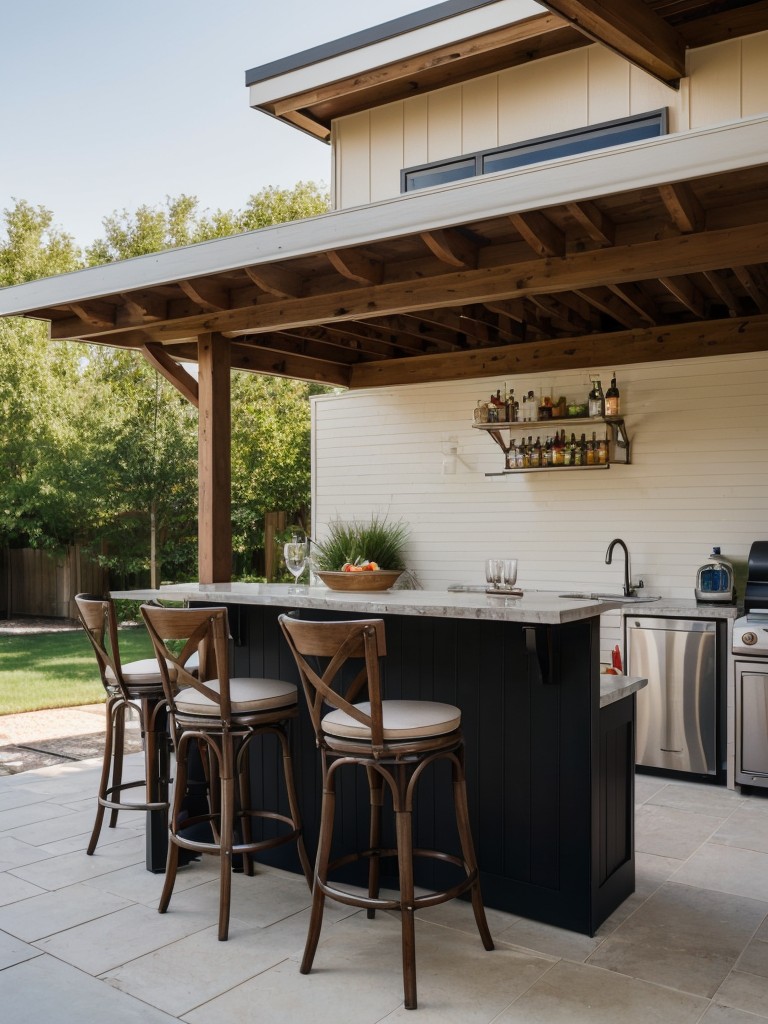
(750, 649)
(714, 580)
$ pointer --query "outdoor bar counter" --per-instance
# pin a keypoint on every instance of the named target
(550, 742)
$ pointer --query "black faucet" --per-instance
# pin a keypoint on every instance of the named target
(628, 589)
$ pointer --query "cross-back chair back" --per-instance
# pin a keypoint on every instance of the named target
(325, 654)
(177, 638)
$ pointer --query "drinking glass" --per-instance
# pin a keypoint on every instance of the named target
(295, 554)
(510, 572)
(494, 569)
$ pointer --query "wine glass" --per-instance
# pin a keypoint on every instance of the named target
(295, 554)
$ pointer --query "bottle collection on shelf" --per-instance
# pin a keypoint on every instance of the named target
(558, 449)
(530, 409)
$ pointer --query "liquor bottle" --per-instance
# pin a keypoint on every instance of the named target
(511, 417)
(612, 398)
(596, 401)
(602, 452)
(535, 454)
(558, 450)
(511, 455)
(578, 450)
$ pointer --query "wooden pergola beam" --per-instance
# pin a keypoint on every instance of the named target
(652, 344)
(214, 460)
(630, 29)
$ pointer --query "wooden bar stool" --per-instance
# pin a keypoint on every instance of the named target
(394, 741)
(136, 687)
(223, 715)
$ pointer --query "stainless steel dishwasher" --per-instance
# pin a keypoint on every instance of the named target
(677, 713)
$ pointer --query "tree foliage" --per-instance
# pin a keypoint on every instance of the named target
(96, 445)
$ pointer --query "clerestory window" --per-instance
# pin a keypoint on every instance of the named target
(549, 147)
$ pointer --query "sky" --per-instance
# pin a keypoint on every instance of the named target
(106, 105)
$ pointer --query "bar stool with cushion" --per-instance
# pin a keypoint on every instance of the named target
(395, 741)
(133, 688)
(223, 715)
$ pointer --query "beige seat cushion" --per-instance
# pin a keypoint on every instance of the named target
(138, 673)
(245, 695)
(403, 720)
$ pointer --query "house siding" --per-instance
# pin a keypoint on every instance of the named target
(726, 81)
(698, 478)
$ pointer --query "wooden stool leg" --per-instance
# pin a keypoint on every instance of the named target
(293, 804)
(244, 792)
(179, 790)
(404, 826)
(376, 790)
(468, 848)
(226, 832)
(118, 743)
(106, 765)
(327, 813)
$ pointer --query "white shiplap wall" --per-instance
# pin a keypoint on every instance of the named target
(699, 476)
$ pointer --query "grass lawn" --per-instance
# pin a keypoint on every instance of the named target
(58, 670)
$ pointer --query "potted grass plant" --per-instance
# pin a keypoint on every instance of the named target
(361, 554)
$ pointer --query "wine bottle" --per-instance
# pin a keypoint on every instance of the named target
(612, 398)
(596, 400)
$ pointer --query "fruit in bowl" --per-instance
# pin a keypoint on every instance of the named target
(365, 566)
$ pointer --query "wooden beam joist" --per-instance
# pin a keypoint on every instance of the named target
(205, 293)
(275, 280)
(94, 313)
(598, 226)
(753, 284)
(540, 233)
(173, 372)
(683, 207)
(687, 294)
(451, 247)
(724, 292)
(631, 29)
(681, 341)
(356, 266)
(143, 307)
(254, 359)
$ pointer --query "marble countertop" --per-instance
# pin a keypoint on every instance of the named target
(613, 688)
(534, 606)
(684, 608)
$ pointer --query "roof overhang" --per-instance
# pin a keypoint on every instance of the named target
(463, 39)
(647, 251)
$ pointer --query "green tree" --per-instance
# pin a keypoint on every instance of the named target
(97, 444)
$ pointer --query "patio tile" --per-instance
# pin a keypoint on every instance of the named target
(44, 989)
(745, 828)
(698, 796)
(550, 941)
(754, 959)
(671, 831)
(107, 942)
(183, 975)
(13, 889)
(744, 991)
(56, 911)
(579, 994)
(14, 951)
(647, 786)
(135, 883)
(728, 1015)
(671, 939)
(78, 843)
(56, 872)
(727, 869)
(24, 814)
(14, 852)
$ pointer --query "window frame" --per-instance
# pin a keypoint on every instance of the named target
(658, 118)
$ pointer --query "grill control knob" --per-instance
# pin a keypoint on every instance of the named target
(749, 638)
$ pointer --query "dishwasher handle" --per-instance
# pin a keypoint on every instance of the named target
(676, 625)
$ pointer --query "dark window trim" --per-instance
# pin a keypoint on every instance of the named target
(544, 142)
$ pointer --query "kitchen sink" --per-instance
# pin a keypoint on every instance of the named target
(619, 598)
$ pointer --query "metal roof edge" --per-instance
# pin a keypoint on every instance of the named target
(363, 38)
(711, 150)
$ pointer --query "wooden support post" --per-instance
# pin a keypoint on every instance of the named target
(215, 469)
(274, 522)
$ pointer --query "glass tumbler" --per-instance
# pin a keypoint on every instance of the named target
(510, 572)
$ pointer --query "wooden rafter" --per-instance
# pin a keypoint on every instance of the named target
(687, 294)
(451, 247)
(631, 29)
(723, 291)
(683, 207)
(279, 281)
(94, 313)
(666, 257)
(598, 225)
(754, 285)
(356, 266)
(208, 295)
(540, 233)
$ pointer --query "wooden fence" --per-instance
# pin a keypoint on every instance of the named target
(37, 582)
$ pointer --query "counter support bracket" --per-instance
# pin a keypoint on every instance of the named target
(539, 645)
